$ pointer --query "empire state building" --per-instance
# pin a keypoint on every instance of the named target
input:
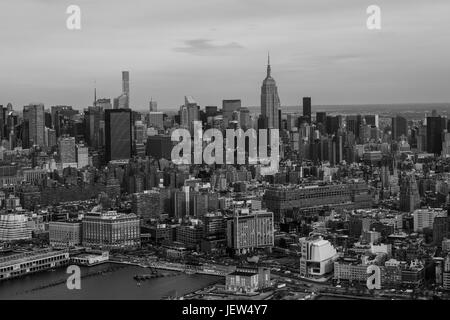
(270, 102)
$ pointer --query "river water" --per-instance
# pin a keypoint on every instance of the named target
(106, 281)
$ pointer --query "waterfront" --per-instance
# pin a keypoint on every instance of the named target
(106, 281)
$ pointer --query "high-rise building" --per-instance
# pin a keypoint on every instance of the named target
(82, 155)
(159, 147)
(211, 111)
(103, 103)
(155, 120)
(199, 204)
(123, 101)
(440, 228)
(245, 119)
(321, 117)
(66, 147)
(399, 127)
(153, 106)
(147, 204)
(33, 115)
(270, 101)
(118, 134)
(126, 88)
(307, 108)
(189, 113)
(94, 116)
(332, 124)
(50, 137)
(353, 123)
(424, 218)
(182, 202)
(372, 120)
(228, 108)
(409, 193)
(435, 127)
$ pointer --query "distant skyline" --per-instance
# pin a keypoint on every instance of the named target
(217, 49)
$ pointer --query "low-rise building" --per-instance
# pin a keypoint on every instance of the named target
(29, 262)
(65, 233)
(111, 230)
(247, 280)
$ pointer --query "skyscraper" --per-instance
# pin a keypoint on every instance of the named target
(228, 108)
(321, 117)
(94, 134)
(435, 125)
(399, 127)
(66, 146)
(33, 115)
(123, 101)
(153, 106)
(409, 193)
(189, 113)
(126, 82)
(118, 134)
(270, 102)
(307, 108)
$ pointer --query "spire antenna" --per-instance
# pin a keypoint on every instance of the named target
(95, 93)
(268, 64)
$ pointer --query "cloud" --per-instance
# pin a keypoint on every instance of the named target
(205, 47)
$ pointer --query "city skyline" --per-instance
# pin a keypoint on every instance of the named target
(334, 58)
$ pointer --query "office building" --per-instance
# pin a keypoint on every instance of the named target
(153, 106)
(228, 108)
(270, 101)
(159, 147)
(82, 156)
(424, 218)
(118, 134)
(67, 152)
(147, 204)
(399, 127)
(156, 120)
(307, 109)
(33, 116)
(409, 193)
(435, 127)
(189, 113)
(95, 135)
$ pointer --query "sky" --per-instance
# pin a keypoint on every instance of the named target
(217, 49)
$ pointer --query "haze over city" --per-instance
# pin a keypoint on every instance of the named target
(216, 50)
